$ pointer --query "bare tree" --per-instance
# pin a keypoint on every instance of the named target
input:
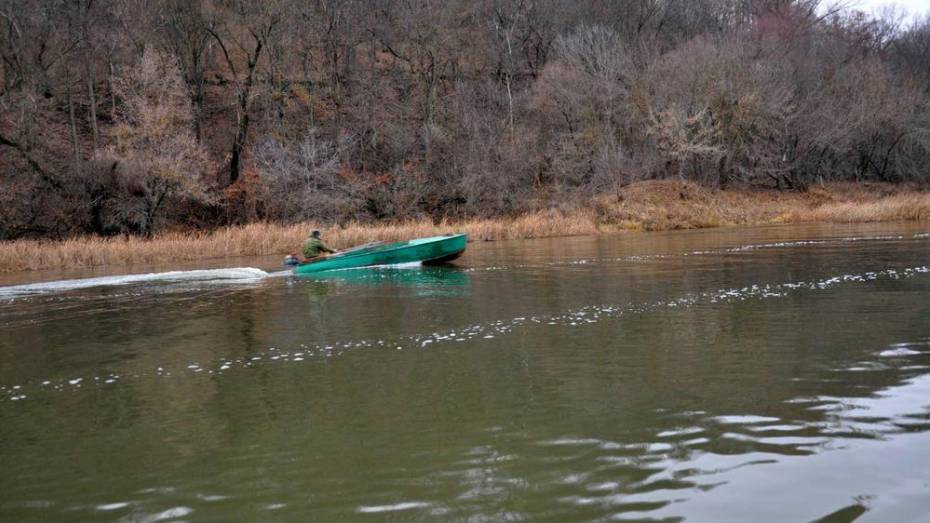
(242, 30)
(154, 153)
(384, 109)
(184, 28)
(305, 180)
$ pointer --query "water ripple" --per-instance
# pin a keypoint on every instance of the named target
(480, 332)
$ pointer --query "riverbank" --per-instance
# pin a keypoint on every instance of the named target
(644, 206)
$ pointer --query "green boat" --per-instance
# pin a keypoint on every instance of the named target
(436, 249)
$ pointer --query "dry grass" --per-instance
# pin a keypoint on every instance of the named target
(901, 207)
(665, 205)
(656, 205)
(265, 238)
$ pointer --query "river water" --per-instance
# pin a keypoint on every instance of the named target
(756, 374)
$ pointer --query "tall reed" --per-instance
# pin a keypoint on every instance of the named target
(654, 205)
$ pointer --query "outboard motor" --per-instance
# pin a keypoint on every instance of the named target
(291, 260)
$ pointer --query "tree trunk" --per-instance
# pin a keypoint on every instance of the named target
(198, 111)
(112, 90)
(74, 136)
(31, 161)
(92, 99)
(242, 129)
(510, 80)
(431, 95)
(197, 93)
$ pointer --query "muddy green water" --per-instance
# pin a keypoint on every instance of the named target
(768, 374)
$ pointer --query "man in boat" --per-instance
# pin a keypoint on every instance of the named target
(314, 246)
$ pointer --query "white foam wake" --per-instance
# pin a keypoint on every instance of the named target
(233, 275)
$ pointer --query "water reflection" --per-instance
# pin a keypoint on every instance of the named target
(754, 384)
(448, 280)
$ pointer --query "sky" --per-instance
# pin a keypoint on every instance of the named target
(914, 8)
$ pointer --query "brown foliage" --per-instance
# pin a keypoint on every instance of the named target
(155, 115)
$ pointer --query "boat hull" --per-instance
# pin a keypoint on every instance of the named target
(436, 249)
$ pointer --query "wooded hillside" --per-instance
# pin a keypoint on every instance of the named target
(132, 116)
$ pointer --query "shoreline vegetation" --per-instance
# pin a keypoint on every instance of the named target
(642, 206)
(153, 131)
